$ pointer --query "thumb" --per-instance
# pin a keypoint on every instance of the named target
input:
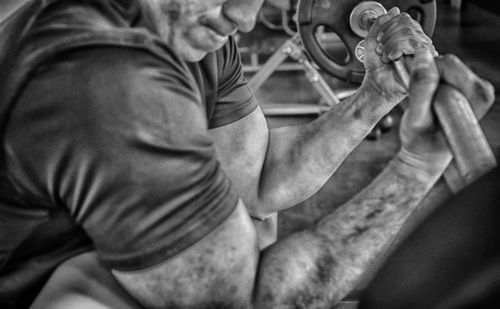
(424, 81)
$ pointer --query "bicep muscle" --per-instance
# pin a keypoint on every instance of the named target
(218, 271)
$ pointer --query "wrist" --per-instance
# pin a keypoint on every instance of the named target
(377, 95)
(371, 90)
(383, 88)
(373, 102)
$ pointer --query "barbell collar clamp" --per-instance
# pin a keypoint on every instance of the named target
(364, 15)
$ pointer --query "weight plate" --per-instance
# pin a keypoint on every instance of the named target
(335, 16)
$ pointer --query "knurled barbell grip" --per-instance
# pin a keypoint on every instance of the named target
(470, 148)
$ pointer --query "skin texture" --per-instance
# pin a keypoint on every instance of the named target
(276, 169)
(317, 267)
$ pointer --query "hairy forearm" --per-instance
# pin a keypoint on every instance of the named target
(301, 159)
(311, 269)
(317, 267)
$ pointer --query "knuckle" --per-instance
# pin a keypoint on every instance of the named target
(414, 35)
(424, 75)
(415, 23)
(470, 78)
(408, 50)
(405, 16)
(423, 35)
(382, 20)
(484, 91)
(490, 90)
(451, 60)
(452, 66)
(429, 41)
(385, 27)
(418, 45)
(407, 31)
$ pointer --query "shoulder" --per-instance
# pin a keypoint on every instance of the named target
(61, 26)
(119, 85)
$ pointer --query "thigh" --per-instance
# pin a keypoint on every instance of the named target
(83, 283)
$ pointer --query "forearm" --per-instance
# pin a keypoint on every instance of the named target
(301, 159)
(321, 265)
(311, 269)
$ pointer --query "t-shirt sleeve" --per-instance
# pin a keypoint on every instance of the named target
(124, 146)
(235, 98)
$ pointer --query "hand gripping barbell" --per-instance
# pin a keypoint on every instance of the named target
(351, 20)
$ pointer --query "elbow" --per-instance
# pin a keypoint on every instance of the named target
(297, 276)
(261, 215)
(267, 201)
(260, 209)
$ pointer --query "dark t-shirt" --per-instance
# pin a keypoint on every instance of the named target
(106, 143)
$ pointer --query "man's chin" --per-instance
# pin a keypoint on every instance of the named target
(192, 57)
(194, 54)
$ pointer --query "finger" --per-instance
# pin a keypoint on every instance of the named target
(381, 20)
(402, 36)
(423, 83)
(479, 92)
(407, 33)
(398, 46)
(395, 25)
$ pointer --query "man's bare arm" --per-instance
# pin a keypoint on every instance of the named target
(311, 269)
(279, 168)
(317, 267)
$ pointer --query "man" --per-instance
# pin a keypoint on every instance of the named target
(132, 132)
